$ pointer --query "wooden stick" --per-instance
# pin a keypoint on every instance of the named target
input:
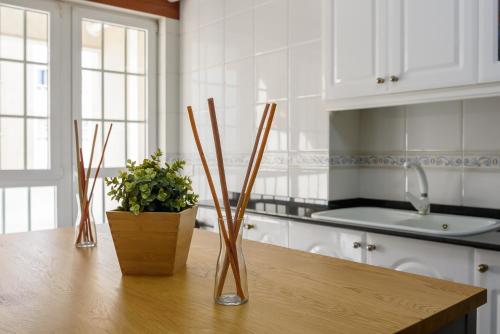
(222, 226)
(250, 162)
(248, 190)
(220, 164)
(257, 164)
(89, 168)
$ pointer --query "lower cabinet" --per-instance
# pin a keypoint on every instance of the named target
(326, 240)
(421, 257)
(266, 229)
(487, 275)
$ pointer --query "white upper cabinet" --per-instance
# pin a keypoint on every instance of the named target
(487, 275)
(357, 50)
(374, 48)
(432, 44)
(489, 38)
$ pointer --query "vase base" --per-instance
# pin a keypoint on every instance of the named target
(230, 300)
(86, 244)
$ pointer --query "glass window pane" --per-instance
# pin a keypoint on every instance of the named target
(43, 204)
(136, 51)
(38, 144)
(136, 141)
(16, 210)
(115, 152)
(97, 201)
(114, 48)
(91, 94)
(136, 97)
(37, 90)
(12, 88)
(87, 138)
(36, 37)
(91, 44)
(114, 96)
(11, 33)
(11, 143)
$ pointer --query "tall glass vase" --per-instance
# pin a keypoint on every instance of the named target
(85, 230)
(231, 287)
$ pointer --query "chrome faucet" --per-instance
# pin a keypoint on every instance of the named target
(421, 203)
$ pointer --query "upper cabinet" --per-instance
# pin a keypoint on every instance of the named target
(383, 49)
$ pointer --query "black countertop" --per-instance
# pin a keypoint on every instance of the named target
(301, 210)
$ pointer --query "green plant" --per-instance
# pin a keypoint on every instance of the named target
(152, 187)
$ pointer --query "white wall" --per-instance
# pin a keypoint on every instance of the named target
(244, 53)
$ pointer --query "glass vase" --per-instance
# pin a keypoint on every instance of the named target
(85, 229)
(231, 287)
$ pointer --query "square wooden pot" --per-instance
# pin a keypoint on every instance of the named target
(152, 243)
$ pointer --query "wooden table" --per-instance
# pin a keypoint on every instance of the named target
(46, 285)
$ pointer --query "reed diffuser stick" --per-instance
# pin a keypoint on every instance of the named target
(211, 185)
(250, 162)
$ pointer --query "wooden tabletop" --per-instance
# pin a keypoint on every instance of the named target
(46, 285)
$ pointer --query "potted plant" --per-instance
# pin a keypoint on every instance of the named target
(153, 225)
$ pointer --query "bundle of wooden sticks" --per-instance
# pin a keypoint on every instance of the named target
(85, 232)
(230, 232)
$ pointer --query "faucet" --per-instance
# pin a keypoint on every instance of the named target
(421, 203)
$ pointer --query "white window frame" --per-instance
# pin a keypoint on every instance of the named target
(80, 13)
(57, 174)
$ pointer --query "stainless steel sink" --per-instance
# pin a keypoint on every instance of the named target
(408, 221)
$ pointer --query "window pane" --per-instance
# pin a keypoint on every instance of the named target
(38, 144)
(136, 141)
(91, 44)
(91, 94)
(43, 204)
(11, 33)
(115, 152)
(97, 201)
(37, 90)
(114, 48)
(36, 34)
(87, 138)
(114, 96)
(136, 93)
(12, 88)
(16, 210)
(136, 51)
(11, 143)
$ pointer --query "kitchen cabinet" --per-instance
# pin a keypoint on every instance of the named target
(421, 257)
(487, 275)
(489, 41)
(326, 240)
(379, 47)
(266, 229)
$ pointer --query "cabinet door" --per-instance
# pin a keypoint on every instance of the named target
(489, 40)
(355, 42)
(488, 316)
(326, 240)
(266, 229)
(421, 257)
(432, 43)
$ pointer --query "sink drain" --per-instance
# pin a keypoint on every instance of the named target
(445, 226)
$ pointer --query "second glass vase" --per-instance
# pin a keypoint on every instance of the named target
(231, 287)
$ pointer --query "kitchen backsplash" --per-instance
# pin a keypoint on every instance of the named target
(244, 53)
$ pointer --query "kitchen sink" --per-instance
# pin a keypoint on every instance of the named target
(408, 221)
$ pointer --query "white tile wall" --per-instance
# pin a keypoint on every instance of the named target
(270, 26)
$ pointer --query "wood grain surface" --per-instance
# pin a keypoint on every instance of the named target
(157, 7)
(46, 285)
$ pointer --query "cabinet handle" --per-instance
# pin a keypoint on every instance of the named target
(394, 78)
(248, 226)
(482, 268)
(371, 248)
(356, 244)
(380, 80)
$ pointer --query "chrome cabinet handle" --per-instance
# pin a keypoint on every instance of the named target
(356, 244)
(394, 78)
(380, 80)
(371, 248)
(248, 226)
(482, 268)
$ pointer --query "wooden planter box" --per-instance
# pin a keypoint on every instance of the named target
(152, 243)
